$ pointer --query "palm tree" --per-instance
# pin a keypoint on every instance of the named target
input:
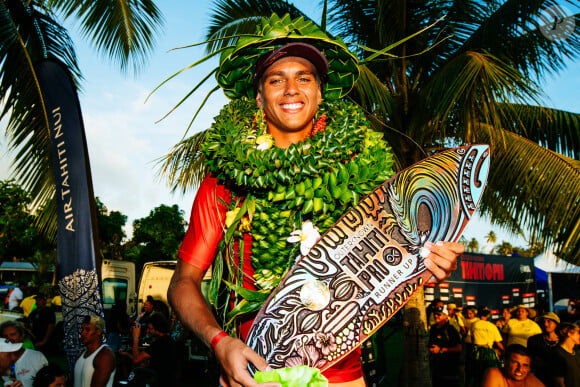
(471, 77)
(491, 237)
(29, 32)
(472, 246)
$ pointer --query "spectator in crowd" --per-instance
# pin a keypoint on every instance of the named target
(50, 376)
(566, 361)
(456, 318)
(572, 313)
(14, 332)
(520, 328)
(24, 363)
(445, 347)
(118, 325)
(145, 314)
(506, 315)
(471, 317)
(42, 322)
(431, 308)
(160, 354)
(541, 347)
(16, 296)
(485, 336)
(95, 367)
(6, 350)
(515, 372)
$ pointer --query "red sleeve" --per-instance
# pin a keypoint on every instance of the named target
(206, 224)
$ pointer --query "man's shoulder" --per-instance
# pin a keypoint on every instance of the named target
(32, 356)
(105, 352)
(492, 377)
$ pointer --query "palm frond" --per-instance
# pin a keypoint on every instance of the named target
(469, 88)
(510, 31)
(184, 166)
(123, 29)
(534, 188)
(231, 18)
(27, 36)
(554, 129)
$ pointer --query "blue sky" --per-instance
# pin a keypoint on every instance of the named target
(124, 141)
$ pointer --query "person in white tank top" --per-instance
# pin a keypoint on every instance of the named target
(96, 365)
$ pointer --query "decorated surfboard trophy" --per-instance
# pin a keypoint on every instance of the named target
(366, 266)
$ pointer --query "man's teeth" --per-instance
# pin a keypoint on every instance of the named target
(292, 105)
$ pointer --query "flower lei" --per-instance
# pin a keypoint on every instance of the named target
(316, 180)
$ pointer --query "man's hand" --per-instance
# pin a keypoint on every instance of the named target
(443, 259)
(234, 356)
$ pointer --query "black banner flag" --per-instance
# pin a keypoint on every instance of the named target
(77, 274)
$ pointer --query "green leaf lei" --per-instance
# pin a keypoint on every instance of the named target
(318, 179)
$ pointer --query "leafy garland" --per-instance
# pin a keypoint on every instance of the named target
(318, 180)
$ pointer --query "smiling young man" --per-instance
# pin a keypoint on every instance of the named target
(515, 372)
(289, 82)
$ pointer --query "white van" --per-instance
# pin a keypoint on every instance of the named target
(118, 284)
(155, 279)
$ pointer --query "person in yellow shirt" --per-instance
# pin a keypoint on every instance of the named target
(519, 329)
(484, 336)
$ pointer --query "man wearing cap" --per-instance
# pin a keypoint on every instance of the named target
(96, 365)
(288, 82)
(542, 345)
(25, 363)
(456, 318)
(519, 329)
(445, 347)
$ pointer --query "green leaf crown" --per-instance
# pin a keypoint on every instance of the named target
(237, 64)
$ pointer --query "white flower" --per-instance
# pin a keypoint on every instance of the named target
(264, 142)
(307, 237)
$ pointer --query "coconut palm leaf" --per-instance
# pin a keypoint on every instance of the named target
(239, 17)
(27, 36)
(184, 166)
(555, 129)
(122, 29)
(509, 30)
(533, 188)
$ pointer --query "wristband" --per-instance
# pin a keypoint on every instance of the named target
(216, 339)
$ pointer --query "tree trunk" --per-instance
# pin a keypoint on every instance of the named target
(416, 372)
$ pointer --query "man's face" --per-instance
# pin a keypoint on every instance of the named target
(575, 336)
(522, 314)
(151, 331)
(59, 381)
(470, 314)
(549, 325)
(148, 307)
(440, 318)
(12, 335)
(89, 333)
(517, 367)
(290, 95)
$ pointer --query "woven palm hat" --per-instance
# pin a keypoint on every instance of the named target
(237, 70)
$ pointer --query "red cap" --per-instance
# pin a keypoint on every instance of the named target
(301, 50)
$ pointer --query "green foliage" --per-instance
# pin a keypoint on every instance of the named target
(158, 235)
(18, 237)
(29, 32)
(111, 233)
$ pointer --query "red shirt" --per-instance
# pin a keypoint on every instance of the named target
(199, 247)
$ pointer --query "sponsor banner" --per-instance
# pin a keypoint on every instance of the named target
(78, 282)
(490, 280)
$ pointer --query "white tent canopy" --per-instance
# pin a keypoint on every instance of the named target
(549, 263)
